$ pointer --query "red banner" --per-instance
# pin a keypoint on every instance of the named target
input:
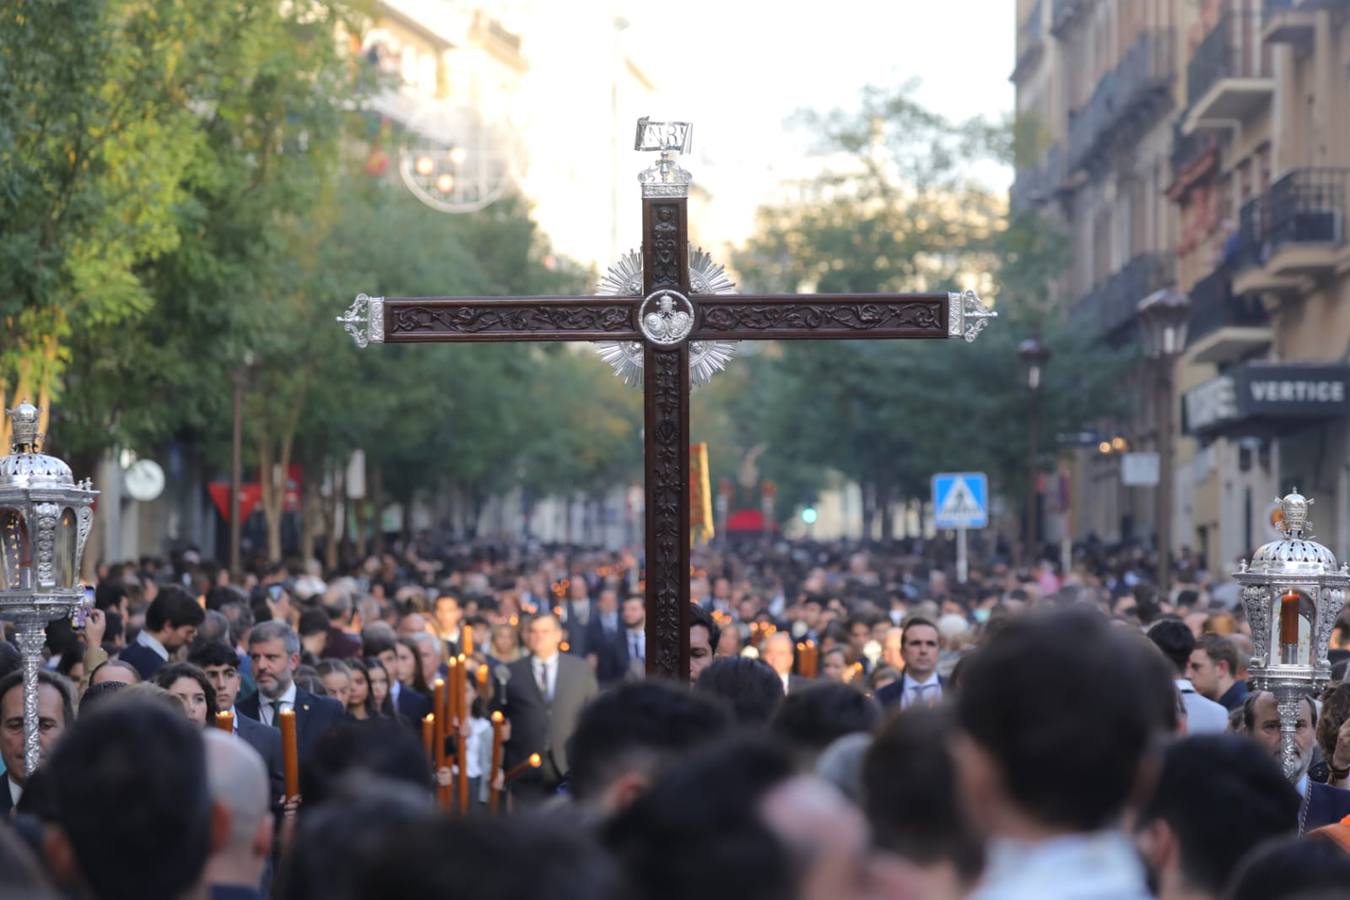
(249, 497)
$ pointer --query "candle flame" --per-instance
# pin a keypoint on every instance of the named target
(429, 718)
(536, 760)
(498, 717)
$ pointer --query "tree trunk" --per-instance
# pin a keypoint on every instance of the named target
(405, 525)
(274, 465)
(333, 520)
(310, 504)
(377, 508)
(884, 499)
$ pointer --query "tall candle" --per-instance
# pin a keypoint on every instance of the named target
(534, 762)
(429, 735)
(452, 705)
(1289, 627)
(466, 639)
(438, 722)
(462, 756)
(498, 727)
(225, 721)
(482, 675)
(290, 752)
(460, 685)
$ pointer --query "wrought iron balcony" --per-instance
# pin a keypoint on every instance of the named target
(1225, 325)
(1125, 99)
(1229, 77)
(1109, 310)
(1296, 228)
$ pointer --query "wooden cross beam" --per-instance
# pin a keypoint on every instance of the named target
(665, 318)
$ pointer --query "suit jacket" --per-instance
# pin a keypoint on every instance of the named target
(538, 726)
(412, 707)
(6, 801)
(893, 694)
(144, 660)
(267, 741)
(313, 716)
(1326, 805)
(610, 649)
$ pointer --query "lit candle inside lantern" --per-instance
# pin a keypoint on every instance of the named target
(1289, 627)
(225, 721)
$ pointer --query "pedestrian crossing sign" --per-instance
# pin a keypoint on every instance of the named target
(961, 500)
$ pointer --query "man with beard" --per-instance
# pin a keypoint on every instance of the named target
(1321, 804)
(275, 651)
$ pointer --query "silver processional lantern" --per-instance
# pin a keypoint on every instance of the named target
(1292, 593)
(45, 518)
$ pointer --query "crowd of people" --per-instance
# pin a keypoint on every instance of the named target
(856, 725)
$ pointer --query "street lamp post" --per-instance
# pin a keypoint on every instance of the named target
(1164, 316)
(45, 518)
(1034, 356)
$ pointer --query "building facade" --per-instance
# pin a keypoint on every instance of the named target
(1200, 145)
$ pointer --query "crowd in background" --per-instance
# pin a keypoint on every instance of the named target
(858, 724)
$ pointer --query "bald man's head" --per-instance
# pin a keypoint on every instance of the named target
(778, 652)
(238, 781)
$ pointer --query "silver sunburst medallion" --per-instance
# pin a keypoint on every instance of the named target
(624, 279)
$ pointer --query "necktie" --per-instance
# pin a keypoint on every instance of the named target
(921, 697)
(276, 713)
(541, 672)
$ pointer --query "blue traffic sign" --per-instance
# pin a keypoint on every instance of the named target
(961, 500)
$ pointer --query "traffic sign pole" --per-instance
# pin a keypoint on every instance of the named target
(962, 560)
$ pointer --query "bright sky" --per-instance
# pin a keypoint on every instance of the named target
(748, 65)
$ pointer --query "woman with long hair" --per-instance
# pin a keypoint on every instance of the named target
(380, 697)
(409, 667)
(360, 698)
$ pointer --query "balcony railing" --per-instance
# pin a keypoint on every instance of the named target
(1142, 77)
(1306, 206)
(1109, 310)
(1215, 306)
(1188, 148)
(1232, 50)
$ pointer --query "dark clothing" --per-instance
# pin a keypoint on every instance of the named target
(1235, 696)
(543, 727)
(610, 648)
(313, 716)
(267, 741)
(1324, 805)
(341, 645)
(145, 661)
(234, 892)
(412, 707)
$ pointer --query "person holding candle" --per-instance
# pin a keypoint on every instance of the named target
(274, 649)
(220, 666)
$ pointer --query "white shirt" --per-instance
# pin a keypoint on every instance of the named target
(786, 678)
(287, 699)
(930, 690)
(15, 792)
(637, 643)
(1074, 867)
(1203, 716)
(145, 639)
(550, 674)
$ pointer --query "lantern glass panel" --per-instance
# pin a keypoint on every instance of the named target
(63, 551)
(16, 554)
(1292, 629)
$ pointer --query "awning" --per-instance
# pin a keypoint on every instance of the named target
(1259, 398)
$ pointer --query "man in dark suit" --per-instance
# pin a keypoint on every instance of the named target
(275, 651)
(1322, 804)
(778, 656)
(170, 622)
(221, 666)
(544, 698)
(604, 639)
(920, 685)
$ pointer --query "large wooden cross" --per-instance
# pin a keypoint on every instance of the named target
(665, 318)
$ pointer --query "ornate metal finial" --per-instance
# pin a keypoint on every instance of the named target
(664, 178)
(1294, 522)
(24, 436)
(364, 320)
(967, 315)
